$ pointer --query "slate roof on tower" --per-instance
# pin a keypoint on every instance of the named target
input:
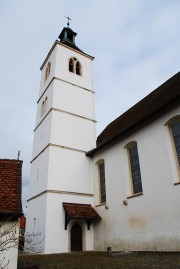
(10, 188)
(164, 97)
(67, 37)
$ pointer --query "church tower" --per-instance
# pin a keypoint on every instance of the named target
(60, 202)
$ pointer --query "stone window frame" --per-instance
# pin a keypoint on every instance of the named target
(75, 66)
(101, 178)
(47, 72)
(129, 146)
(170, 124)
(44, 106)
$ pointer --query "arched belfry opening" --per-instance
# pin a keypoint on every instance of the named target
(76, 237)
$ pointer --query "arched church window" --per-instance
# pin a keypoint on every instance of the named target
(174, 127)
(134, 165)
(42, 108)
(47, 73)
(78, 68)
(75, 66)
(71, 65)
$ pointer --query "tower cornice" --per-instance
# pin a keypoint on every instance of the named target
(64, 45)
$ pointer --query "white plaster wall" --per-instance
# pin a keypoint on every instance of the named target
(36, 224)
(39, 174)
(59, 59)
(74, 99)
(150, 221)
(60, 169)
(63, 54)
(55, 231)
(10, 255)
(68, 171)
(72, 132)
(49, 94)
(52, 60)
(42, 136)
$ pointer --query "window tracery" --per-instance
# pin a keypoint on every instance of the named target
(75, 66)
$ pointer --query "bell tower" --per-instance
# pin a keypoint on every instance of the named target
(64, 132)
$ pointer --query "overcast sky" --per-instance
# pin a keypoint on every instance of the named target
(136, 44)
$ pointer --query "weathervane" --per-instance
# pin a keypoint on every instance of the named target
(69, 19)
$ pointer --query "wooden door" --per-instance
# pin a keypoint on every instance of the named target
(76, 237)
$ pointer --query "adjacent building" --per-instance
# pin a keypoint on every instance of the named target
(10, 211)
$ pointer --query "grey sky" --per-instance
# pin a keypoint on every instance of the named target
(136, 45)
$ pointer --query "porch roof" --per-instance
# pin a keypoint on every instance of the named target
(80, 211)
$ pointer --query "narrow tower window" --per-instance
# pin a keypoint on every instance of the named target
(70, 37)
(42, 108)
(78, 68)
(71, 65)
(47, 73)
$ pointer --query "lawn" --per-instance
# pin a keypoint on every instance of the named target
(101, 260)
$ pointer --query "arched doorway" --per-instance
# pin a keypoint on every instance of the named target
(76, 237)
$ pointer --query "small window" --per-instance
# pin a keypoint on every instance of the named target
(42, 108)
(135, 168)
(175, 128)
(70, 37)
(102, 182)
(75, 66)
(71, 65)
(47, 73)
(78, 68)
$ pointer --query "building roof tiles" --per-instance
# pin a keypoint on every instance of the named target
(10, 187)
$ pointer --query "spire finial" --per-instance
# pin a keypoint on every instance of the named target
(69, 19)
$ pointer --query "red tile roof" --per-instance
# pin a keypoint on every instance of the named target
(10, 187)
(163, 98)
(81, 211)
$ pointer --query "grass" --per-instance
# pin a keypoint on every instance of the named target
(101, 260)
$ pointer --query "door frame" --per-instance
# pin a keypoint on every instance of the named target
(83, 234)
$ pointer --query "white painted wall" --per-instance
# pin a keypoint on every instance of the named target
(42, 136)
(72, 132)
(59, 59)
(10, 254)
(63, 54)
(55, 231)
(36, 225)
(73, 99)
(60, 171)
(39, 174)
(150, 221)
(68, 171)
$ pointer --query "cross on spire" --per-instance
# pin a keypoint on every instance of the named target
(69, 19)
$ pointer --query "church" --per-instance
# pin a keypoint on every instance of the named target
(120, 190)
